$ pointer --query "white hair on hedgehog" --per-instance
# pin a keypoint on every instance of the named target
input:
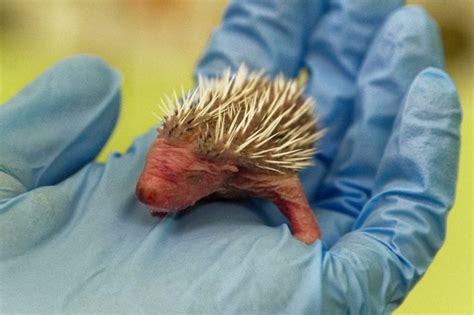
(234, 135)
(263, 123)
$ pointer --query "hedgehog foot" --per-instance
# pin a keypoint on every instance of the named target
(303, 224)
(292, 203)
(287, 193)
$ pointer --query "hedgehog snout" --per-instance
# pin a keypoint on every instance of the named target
(160, 195)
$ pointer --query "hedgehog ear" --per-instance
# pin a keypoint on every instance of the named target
(231, 167)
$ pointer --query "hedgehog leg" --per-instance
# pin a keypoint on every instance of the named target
(291, 201)
(287, 193)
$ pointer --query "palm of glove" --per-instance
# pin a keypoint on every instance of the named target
(74, 237)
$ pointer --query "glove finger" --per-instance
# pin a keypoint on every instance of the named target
(29, 218)
(403, 224)
(408, 43)
(267, 35)
(336, 49)
(87, 206)
(416, 180)
(57, 124)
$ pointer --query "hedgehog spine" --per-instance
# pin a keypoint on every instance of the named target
(262, 122)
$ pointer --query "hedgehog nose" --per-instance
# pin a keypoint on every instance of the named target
(155, 192)
(145, 193)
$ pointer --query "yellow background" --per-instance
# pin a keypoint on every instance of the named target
(155, 45)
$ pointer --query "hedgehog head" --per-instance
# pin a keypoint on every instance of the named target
(176, 176)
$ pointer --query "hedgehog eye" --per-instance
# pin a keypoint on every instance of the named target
(195, 176)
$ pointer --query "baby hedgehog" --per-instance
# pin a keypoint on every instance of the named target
(233, 136)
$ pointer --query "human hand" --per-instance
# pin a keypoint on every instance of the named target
(385, 175)
(74, 238)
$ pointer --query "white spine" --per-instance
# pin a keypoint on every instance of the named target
(269, 123)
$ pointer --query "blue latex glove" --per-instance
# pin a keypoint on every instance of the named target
(73, 237)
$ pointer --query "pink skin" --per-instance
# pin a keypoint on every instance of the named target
(287, 193)
(174, 178)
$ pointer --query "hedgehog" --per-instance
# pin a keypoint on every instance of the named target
(240, 134)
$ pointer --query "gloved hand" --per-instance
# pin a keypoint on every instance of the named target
(73, 237)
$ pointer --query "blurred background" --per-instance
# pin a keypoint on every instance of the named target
(155, 45)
